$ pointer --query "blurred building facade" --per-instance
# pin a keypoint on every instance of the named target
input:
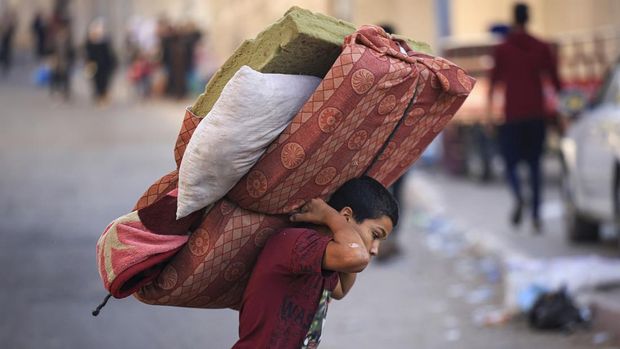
(229, 22)
(548, 17)
(117, 14)
(234, 21)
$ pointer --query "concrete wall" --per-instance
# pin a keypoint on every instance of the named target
(548, 17)
(25, 12)
(237, 20)
(414, 19)
(231, 21)
(582, 15)
(116, 12)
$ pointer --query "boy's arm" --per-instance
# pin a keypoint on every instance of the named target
(346, 253)
(345, 282)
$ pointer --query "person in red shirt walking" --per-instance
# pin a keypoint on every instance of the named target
(521, 64)
(301, 269)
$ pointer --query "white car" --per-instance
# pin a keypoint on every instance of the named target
(591, 154)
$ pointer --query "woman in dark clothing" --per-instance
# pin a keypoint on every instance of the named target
(61, 58)
(178, 47)
(100, 59)
(39, 29)
(8, 23)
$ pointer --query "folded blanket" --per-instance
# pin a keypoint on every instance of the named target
(134, 248)
(375, 111)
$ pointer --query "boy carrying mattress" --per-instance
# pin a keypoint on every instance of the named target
(374, 112)
(301, 268)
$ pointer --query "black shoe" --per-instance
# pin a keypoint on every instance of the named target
(517, 215)
(388, 251)
(537, 225)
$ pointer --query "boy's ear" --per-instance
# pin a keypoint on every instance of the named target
(347, 212)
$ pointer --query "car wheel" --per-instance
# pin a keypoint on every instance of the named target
(617, 198)
(578, 227)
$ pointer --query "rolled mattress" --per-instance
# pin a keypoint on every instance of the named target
(379, 105)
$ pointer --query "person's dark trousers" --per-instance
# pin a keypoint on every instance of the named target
(397, 191)
(524, 141)
(40, 47)
(5, 55)
(390, 248)
(61, 82)
(101, 85)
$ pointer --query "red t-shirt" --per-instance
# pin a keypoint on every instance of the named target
(521, 63)
(287, 290)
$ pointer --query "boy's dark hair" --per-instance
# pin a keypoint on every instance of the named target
(521, 13)
(367, 198)
(388, 28)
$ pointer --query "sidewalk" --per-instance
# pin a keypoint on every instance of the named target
(481, 212)
(439, 293)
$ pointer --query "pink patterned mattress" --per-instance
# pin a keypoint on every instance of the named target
(374, 113)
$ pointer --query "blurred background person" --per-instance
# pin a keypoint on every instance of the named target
(39, 30)
(180, 47)
(62, 57)
(161, 77)
(521, 63)
(100, 60)
(141, 48)
(140, 73)
(204, 64)
(8, 24)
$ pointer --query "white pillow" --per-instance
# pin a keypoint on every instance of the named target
(253, 109)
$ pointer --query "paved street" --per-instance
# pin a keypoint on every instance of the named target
(69, 169)
(483, 209)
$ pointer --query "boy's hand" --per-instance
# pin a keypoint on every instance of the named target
(347, 252)
(315, 211)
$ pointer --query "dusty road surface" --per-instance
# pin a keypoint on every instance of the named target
(69, 169)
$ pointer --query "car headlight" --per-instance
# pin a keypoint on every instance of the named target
(610, 131)
(569, 150)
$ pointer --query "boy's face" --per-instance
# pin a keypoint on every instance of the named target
(373, 231)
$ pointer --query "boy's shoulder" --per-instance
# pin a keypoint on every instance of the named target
(300, 249)
(293, 233)
(295, 236)
(297, 230)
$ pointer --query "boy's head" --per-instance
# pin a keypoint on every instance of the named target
(370, 205)
(521, 14)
